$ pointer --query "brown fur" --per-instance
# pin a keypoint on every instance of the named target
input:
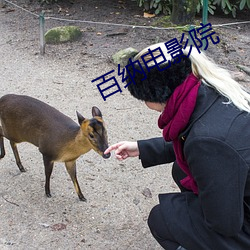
(59, 138)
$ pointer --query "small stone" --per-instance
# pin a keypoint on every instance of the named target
(239, 76)
(2, 3)
(147, 193)
(122, 56)
(136, 201)
(244, 68)
(45, 225)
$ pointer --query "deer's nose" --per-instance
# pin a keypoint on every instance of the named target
(106, 156)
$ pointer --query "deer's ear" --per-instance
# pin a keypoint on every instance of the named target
(96, 112)
(80, 118)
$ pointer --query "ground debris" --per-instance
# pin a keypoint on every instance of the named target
(58, 227)
(147, 193)
(244, 68)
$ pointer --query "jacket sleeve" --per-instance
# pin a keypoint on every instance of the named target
(220, 173)
(155, 151)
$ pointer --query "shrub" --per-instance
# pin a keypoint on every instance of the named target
(156, 6)
(165, 6)
(47, 1)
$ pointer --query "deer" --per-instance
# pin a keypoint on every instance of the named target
(58, 137)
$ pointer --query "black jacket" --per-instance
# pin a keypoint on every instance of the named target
(216, 145)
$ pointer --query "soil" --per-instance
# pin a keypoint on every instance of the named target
(119, 195)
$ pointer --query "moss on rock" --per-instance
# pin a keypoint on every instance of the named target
(63, 34)
(122, 56)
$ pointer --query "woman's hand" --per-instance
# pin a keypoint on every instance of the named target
(124, 150)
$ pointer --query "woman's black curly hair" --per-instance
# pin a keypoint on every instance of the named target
(158, 85)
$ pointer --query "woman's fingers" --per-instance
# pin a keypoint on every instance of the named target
(124, 149)
(113, 147)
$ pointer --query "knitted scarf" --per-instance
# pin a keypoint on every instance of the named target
(174, 119)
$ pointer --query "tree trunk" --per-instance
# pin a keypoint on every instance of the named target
(183, 11)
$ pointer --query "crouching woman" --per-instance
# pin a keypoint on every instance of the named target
(205, 119)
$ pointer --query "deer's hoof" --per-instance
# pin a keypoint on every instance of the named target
(82, 198)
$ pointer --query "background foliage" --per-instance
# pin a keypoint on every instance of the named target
(165, 6)
(157, 6)
(48, 1)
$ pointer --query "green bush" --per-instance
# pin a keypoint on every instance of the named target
(227, 6)
(156, 6)
(232, 6)
(47, 1)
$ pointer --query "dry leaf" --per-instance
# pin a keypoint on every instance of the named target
(58, 227)
(147, 15)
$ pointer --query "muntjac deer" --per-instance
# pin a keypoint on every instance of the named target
(59, 139)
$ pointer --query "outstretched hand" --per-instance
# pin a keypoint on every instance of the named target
(124, 150)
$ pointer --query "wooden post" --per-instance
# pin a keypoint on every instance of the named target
(42, 32)
(204, 17)
(190, 41)
(205, 12)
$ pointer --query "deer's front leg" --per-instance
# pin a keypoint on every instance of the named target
(48, 165)
(71, 168)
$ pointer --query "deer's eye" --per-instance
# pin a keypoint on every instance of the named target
(91, 136)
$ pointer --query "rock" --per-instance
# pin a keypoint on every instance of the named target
(239, 76)
(2, 3)
(147, 193)
(136, 201)
(62, 34)
(122, 56)
(244, 68)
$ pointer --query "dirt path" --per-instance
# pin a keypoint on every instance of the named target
(115, 215)
(118, 199)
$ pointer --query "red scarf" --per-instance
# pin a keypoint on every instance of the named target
(174, 119)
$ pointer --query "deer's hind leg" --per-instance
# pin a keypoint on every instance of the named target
(71, 168)
(18, 161)
(1, 144)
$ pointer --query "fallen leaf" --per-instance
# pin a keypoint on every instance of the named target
(147, 15)
(58, 227)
